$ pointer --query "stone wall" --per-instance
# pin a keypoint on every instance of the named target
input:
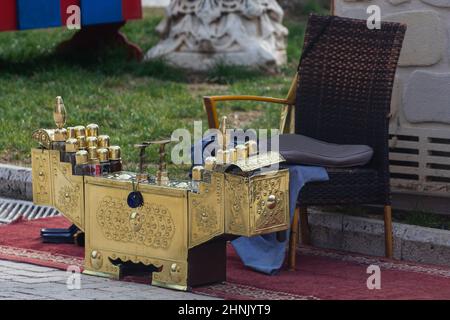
(420, 123)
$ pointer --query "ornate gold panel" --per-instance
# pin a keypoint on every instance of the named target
(256, 205)
(42, 182)
(270, 203)
(236, 205)
(68, 190)
(206, 211)
(156, 230)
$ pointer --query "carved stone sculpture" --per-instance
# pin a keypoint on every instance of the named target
(198, 34)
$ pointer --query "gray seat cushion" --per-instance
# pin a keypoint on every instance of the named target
(301, 149)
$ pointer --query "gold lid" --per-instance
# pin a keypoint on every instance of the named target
(92, 130)
(92, 153)
(114, 153)
(60, 135)
(71, 133)
(197, 173)
(80, 131)
(82, 142)
(81, 157)
(252, 147)
(103, 154)
(103, 141)
(72, 145)
(92, 141)
(241, 152)
(210, 163)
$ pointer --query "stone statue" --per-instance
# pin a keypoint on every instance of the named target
(197, 34)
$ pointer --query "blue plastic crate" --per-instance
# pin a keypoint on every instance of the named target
(101, 11)
(35, 14)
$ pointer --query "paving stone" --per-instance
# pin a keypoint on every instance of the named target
(438, 3)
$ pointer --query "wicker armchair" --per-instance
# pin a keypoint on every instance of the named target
(341, 94)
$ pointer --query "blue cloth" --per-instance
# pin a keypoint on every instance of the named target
(35, 14)
(101, 11)
(265, 253)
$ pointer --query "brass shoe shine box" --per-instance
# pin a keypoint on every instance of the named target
(181, 229)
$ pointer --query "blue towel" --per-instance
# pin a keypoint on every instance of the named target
(265, 253)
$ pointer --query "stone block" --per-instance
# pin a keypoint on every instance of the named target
(438, 3)
(427, 97)
(15, 182)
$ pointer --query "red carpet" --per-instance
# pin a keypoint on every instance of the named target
(321, 274)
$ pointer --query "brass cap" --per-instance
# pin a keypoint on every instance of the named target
(82, 142)
(92, 141)
(80, 131)
(210, 163)
(71, 133)
(103, 141)
(60, 135)
(252, 147)
(114, 153)
(92, 151)
(241, 152)
(103, 154)
(197, 173)
(92, 130)
(81, 157)
(72, 145)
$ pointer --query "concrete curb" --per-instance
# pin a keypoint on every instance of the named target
(15, 182)
(328, 230)
(366, 236)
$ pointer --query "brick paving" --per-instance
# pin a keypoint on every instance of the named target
(19, 281)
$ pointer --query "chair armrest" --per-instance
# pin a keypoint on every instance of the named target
(210, 104)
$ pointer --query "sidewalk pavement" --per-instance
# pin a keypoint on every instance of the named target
(19, 281)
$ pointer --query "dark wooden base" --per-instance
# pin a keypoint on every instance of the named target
(207, 263)
(96, 38)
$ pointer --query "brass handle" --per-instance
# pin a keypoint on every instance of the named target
(271, 202)
(135, 221)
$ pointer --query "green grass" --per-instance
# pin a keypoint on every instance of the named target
(131, 101)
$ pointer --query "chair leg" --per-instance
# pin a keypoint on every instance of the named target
(304, 226)
(388, 231)
(293, 240)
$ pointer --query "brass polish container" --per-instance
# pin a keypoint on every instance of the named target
(103, 155)
(72, 145)
(60, 135)
(71, 133)
(103, 141)
(92, 151)
(82, 142)
(233, 154)
(197, 173)
(92, 141)
(219, 156)
(80, 131)
(81, 157)
(227, 156)
(92, 130)
(114, 153)
(210, 163)
(252, 147)
(241, 152)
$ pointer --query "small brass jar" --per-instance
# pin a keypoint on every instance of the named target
(80, 131)
(103, 157)
(92, 141)
(103, 141)
(92, 130)
(81, 163)
(115, 158)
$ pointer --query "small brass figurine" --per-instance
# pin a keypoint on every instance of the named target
(162, 177)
